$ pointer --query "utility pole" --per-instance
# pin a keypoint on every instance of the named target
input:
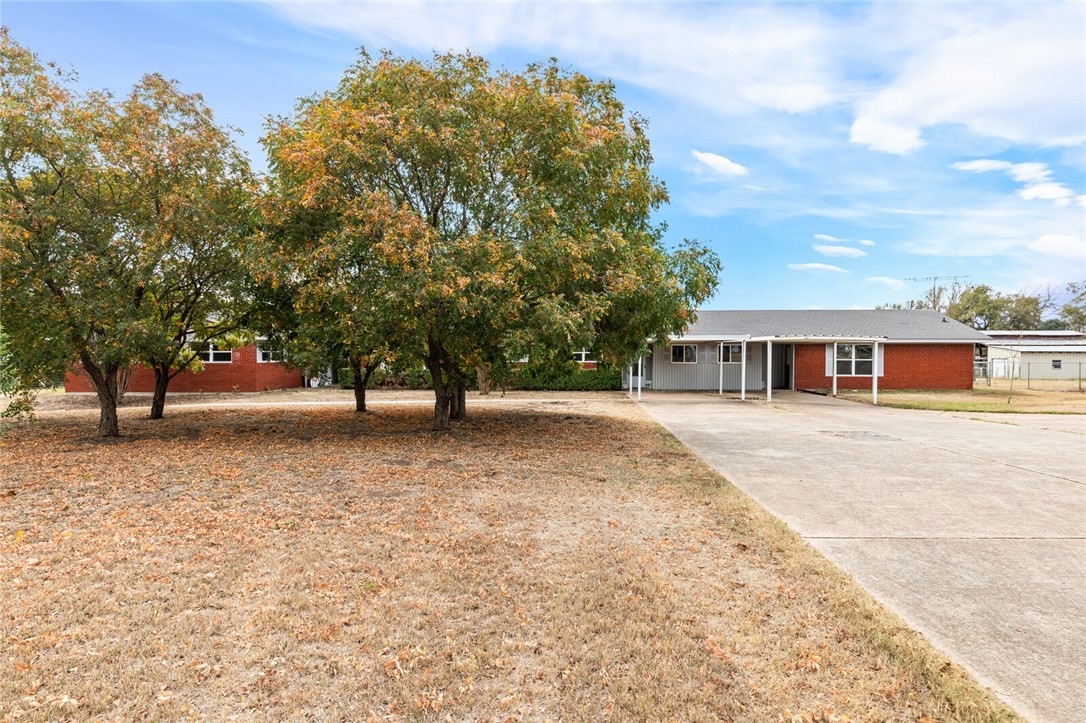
(934, 282)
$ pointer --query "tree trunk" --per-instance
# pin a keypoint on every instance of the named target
(482, 375)
(162, 381)
(458, 405)
(441, 409)
(105, 385)
(436, 362)
(361, 376)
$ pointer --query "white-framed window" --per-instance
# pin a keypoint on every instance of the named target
(211, 354)
(855, 360)
(268, 355)
(684, 353)
(729, 354)
(1057, 363)
(582, 356)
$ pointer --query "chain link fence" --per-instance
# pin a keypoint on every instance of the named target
(1042, 376)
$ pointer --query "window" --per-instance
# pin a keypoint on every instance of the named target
(730, 354)
(265, 355)
(855, 360)
(582, 356)
(211, 354)
(684, 353)
(1057, 363)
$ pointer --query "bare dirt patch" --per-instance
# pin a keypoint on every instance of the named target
(540, 562)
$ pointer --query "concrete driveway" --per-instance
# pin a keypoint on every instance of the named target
(972, 527)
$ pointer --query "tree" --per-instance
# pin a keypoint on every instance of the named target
(1073, 313)
(102, 207)
(191, 199)
(983, 308)
(503, 213)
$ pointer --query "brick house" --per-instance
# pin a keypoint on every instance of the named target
(245, 369)
(817, 350)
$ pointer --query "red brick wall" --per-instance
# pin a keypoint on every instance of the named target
(906, 366)
(243, 374)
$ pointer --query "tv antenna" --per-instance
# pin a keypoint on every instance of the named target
(935, 280)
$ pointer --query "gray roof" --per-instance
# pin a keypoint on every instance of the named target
(891, 324)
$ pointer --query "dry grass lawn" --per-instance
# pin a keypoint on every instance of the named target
(1045, 397)
(563, 561)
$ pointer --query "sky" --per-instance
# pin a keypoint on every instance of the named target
(829, 152)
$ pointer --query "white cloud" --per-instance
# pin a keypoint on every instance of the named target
(1011, 72)
(817, 267)
(896, 284)
(733, 59)
(840, 251)
(827, 237)
(1035, 178)
(1064, 246)
(866, 242)
(719, 164)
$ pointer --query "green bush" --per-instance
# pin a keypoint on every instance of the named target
(566, 378)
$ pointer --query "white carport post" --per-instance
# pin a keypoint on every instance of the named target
(743, 371)
(720, 368)
(833, 362)
(640, 373)
(769, 370)
(629, 387)
(874, 373)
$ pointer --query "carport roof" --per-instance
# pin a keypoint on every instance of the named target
(920, 325)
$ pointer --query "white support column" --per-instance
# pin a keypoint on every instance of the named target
(743, 372)
(720, 368)
(834, 367)
(769, 371)
(640, 374)
(629, 387)
(875, 374)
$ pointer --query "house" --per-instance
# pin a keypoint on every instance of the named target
(249, 368)
(816, 350)
(1035, 354)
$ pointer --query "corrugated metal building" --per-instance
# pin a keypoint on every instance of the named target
(1037, 354)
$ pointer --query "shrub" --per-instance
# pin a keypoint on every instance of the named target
(566, 378)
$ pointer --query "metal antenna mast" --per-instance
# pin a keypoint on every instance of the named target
(934, 281)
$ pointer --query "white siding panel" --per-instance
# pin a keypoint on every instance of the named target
(705, 375)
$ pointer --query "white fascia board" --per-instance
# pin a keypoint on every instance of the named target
(707, 337)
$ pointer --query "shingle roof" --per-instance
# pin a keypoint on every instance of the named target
(891, 324)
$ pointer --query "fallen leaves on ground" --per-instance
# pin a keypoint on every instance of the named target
(540, 562)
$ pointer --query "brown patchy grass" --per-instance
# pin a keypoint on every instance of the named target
(540, 562)
(1045, 397)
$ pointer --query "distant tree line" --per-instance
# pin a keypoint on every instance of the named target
(437, 212)
(983, 308)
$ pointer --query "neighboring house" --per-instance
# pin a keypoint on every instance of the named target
(815, 350)
(245, 369)
(1037, 354)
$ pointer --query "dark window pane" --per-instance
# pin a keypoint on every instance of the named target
(863, 351)
(844, 351)
(863, 367)
(844, 368)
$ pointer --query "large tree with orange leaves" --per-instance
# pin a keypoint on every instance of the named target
(500, 214)
(121, 224)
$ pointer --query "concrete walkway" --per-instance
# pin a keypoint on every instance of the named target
(972, 527)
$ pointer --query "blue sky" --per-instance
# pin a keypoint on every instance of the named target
(827, 151)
